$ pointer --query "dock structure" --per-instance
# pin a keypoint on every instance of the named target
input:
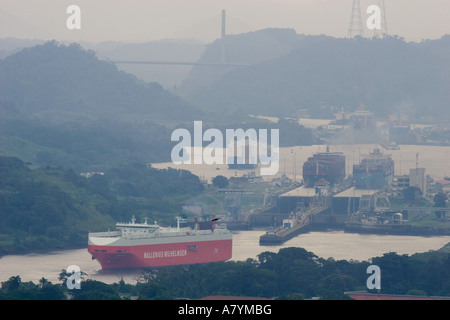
(313, 209)
(347, 201)
(282, 234)
(288, 201)
(299, 222)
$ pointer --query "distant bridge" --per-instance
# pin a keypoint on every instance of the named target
(222, 57)
(181, 63)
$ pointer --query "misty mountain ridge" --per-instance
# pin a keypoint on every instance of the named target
(322, 75)
(247, 48)
(288, 72)
(61, 106)
(61, 82)
(169, 76)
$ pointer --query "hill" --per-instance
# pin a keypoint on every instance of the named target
(58, 82)
(62, 106)
(88, 146)
(169, 76)
(323, 75)
(53, 208)
(247, 48)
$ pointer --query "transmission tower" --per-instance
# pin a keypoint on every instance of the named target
(355, 27)
(378, 33)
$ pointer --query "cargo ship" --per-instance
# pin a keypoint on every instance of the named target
(375, 171)
(329, 166)
(143, 245)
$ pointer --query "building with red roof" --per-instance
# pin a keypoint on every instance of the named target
(363, 295)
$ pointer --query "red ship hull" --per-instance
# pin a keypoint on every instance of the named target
(158, 255)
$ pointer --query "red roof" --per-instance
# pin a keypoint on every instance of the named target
(371, 296)
(232, 298)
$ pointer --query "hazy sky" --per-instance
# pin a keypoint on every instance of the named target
(147, 20)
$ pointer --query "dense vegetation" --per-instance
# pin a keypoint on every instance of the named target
(52, 208)
(62, 106)
(290, 274)
(92, 146)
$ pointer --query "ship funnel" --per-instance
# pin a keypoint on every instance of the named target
(213, 221)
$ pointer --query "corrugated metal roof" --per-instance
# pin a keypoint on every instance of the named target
(300, 192)
(355, 193)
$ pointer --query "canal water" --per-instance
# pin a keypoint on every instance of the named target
(332, 244)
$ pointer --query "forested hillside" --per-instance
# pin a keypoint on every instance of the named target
(54, 208)
(92, 145)
(60, 105)
(64, 83)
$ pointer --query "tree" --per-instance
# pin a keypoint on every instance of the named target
(154, 291)
(64, 276)
(43, 282)
(440, 201)
(220, 182)
(411, 194)
(13, 283)
(95, 290)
